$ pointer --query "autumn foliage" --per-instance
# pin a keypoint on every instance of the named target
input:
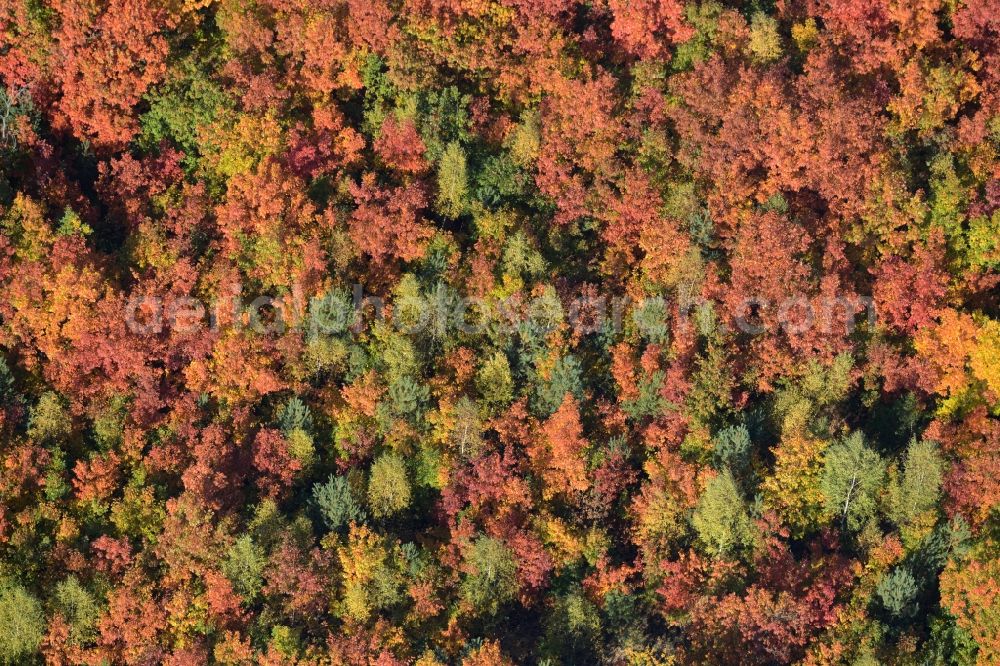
(494, 332)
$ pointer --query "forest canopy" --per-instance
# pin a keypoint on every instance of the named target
(494, 332)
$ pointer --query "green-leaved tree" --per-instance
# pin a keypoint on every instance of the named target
(852, 477)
